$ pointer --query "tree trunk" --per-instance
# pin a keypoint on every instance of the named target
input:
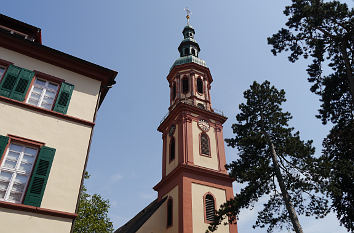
(284, 192)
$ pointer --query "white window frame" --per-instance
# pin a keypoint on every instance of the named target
(43, 92)
(16, 171)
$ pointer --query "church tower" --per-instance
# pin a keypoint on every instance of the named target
(194, 180)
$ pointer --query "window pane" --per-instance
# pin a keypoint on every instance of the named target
(4, 185)
(37, 89)
(25, 167)
(40, 82)
(49, 94)
(14, 147)
(21, 179)
(30, 151)
(10, 164)
(43, 94)
(33, 102)
(28, 159)
(5, 176)
(17, 188)
(2, 193)
(13, 156)
(47, 100)
(13, 180)
(204, 144)
(2, 71)
(46, 105)
(15, 196)
(53, 86)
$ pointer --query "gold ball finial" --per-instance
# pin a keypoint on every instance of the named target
(188, 14)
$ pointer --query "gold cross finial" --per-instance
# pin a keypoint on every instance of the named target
(188, 14)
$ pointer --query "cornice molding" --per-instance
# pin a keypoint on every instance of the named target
(37, 210)
(190, 169)
(184, 109)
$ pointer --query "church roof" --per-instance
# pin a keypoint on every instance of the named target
(189, 49)
(135, 223)
(188, 59)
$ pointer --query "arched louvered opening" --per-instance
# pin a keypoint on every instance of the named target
(173, 91)
(193, 52)
(202, 106)
(172, 149)
(185, 85)
(169, 212)
(209, 205)
(200, 85)
(204, 144)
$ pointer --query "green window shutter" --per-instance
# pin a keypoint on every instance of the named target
(9, 81)
(63, 99)
(24, 80)
(39, 177)
(3, 143)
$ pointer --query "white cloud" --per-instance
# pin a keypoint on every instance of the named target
(115, 178)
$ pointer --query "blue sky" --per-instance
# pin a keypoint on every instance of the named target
(139, 39)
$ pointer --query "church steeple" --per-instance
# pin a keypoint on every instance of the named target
(188, 46)
(189, 77)
(193, 157)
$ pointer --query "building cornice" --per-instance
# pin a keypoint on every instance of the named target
(193, 170)
(60, 59)
(180, 107)
(190, 66)
(37, 210)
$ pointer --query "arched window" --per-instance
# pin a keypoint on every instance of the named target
(169, 212)
(193, 52)
(172, 149)
(185, 85)
(173, 91)
(204, 144)
(209, 205)
(200, 85)
(186, 52)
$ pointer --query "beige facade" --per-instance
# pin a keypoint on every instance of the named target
(170, 165)
(60, 137)
(200, 160)
(198, 192)
(86, 89)
(157, 222)
(70, 141)
(32, 223)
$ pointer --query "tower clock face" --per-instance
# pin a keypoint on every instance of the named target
(203, 125)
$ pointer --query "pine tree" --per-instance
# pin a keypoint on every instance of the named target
(324, 30)
(273, 162)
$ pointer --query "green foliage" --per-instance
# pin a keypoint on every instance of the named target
(337, 172)
(92, 214)
(324, 31)
(260, 123)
